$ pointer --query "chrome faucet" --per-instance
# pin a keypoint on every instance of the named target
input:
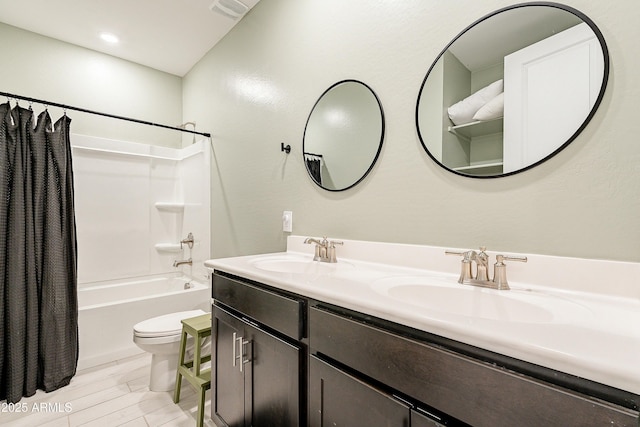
(177, 263)
(482, 268)
(325, 250)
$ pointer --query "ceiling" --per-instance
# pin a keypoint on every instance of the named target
(486, 45)
(167, 35)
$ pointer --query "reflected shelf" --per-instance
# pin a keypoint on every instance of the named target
(473, 129)
(481, 169)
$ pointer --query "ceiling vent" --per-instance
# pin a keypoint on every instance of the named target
(232, 9)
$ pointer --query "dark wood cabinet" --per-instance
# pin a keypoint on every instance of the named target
(256, 375)
(230, 404)
(280, 359)
(469, 390)
(421, 420)
(339, 399)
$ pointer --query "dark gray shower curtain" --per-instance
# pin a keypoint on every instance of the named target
(38, 265)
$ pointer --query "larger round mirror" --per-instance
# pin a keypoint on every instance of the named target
(343, 135)
(512, 90)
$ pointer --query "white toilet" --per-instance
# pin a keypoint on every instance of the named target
(161, 336)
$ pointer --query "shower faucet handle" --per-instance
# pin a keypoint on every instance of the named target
(188, 241)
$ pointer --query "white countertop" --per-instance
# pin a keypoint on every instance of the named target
(589, 335)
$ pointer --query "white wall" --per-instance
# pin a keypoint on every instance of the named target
(256, 88)
(134, 203)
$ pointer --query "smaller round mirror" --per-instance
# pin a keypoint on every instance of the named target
(343, 135)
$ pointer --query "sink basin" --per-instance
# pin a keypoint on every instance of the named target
(299, 265)
(445, 295)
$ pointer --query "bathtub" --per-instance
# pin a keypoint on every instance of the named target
(107, 312)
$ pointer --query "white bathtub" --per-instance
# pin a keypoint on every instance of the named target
(107, 312)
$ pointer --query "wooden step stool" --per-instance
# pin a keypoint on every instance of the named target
(199, 328)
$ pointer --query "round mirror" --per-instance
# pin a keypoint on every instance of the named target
(343, 135)
(512, 90)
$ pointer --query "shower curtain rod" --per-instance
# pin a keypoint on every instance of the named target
(113, 116)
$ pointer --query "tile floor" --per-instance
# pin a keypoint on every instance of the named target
(115, 394)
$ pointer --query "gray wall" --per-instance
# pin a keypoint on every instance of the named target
(43, 68)
(255, 89)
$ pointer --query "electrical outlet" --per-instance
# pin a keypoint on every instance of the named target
(287, 221)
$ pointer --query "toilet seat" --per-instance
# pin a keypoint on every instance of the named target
(163, 329)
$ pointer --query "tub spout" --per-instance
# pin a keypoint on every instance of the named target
(177, 263)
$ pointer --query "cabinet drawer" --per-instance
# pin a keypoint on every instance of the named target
(473, 391)
(276, 311)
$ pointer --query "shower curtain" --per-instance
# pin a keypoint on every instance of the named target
(314, 166)
(38, 273)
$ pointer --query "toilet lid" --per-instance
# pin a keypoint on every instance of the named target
(168, 324)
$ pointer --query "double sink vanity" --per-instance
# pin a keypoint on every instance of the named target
(388, 336)
(350, 333)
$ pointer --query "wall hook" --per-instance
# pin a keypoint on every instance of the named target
(285, 148)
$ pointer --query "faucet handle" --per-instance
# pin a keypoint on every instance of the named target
(465, 265)
(500, 269)
(450, 252)
(502, 258)
(331, 250)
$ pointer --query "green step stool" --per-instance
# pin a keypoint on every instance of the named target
(199, 328)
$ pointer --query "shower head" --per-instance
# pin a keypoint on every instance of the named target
(184, 125)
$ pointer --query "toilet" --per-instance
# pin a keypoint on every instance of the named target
(160, 336)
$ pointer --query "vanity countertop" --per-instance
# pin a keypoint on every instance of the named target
(584, 334)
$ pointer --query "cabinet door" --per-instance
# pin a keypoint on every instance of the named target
(420, 420)
(228, 390)
(262, 387)
(549, 89)
(273, 378)
(339, 399)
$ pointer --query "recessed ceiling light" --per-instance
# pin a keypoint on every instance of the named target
(109, 38)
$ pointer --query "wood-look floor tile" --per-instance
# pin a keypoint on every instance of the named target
(138, 422)
(115, 394)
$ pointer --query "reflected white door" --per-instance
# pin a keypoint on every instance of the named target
(549, 89)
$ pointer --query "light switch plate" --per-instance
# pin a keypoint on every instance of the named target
(287, 221)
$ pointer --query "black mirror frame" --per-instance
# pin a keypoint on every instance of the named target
(382, 132)
(596, 105)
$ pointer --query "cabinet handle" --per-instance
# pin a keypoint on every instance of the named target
(242, 359)
(233, 352)
(239, 355)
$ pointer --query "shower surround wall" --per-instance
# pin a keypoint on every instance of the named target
(134, 203)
